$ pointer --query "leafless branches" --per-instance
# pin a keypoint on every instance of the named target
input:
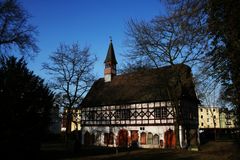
(71, 69)
(15, 31)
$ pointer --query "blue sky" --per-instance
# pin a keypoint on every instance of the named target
(88, 22)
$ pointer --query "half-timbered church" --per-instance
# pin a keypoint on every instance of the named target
(143, 108)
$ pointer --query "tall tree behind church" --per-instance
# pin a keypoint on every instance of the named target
(168, 40)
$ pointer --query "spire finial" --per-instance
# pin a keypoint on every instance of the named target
(110, 37)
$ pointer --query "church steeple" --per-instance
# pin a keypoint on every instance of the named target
(110, 64)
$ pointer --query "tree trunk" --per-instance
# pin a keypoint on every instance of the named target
(177, 136)
(68, 125)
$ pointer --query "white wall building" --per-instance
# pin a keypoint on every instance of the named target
(138, 108)
(209, 117)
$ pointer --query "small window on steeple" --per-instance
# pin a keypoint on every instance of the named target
(107, 65)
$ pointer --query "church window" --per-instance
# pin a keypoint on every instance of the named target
(150, 138)
(107, 65)
(160, 112)
(122, 114)
(155, 139)
(92, 115)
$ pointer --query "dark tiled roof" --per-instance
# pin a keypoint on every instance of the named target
(142, 86)
(110, 54)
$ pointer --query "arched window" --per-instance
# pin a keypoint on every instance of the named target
(143, 138)
(150, 138)
(155, 139)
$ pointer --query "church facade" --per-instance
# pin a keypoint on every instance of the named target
(146, 108)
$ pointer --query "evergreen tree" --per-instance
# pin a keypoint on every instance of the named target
(25, 107)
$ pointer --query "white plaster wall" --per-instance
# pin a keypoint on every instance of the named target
(159, 130)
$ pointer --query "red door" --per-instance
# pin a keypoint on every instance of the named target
(170, 139)
(123, 138)
(143, 138)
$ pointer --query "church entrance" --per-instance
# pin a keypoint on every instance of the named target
(123, 138)
(170, 139)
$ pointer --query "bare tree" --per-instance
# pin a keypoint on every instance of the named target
(169, 40)
(15, 31)
(72, 76)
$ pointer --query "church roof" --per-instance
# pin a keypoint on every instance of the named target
(142, 86)
(110, 54)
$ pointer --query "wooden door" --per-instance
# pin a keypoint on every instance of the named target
(134, 138)
(123, 138)
(143, 138)
(170, 139)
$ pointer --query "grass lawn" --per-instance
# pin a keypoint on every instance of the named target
(227, 150)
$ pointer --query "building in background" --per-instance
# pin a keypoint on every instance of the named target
(216, 117)
(217, 123)
(208, 117)
(228, 118)
(75, 122)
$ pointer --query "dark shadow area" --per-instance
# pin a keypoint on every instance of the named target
(62, 151)
(56, 147)
(219, 134)
(223, 150)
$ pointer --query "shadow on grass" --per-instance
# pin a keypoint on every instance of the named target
(211, 151)
(61, 151)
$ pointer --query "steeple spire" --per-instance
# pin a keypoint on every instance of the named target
(110, 54)
(110, 63)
